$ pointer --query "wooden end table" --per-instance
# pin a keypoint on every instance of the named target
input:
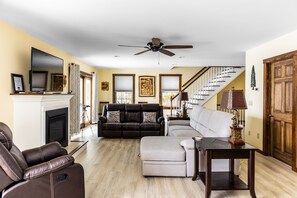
(220, 148)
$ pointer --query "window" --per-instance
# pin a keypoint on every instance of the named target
(124, 88)
(170, 85)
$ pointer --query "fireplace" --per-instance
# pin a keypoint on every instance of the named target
(56, 123)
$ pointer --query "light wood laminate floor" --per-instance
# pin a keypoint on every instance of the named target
(113, 170)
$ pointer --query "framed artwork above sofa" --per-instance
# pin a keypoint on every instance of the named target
(146, 86)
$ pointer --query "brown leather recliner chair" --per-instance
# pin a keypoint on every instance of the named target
(44, 172)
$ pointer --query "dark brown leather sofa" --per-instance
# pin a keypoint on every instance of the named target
(131, 121)
(44, 172)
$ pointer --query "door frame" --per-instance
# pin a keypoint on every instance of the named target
(267, 101)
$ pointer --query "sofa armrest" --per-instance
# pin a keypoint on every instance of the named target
(103, 119)
(178, 122)
(44, 153)
(188, 144)
(48, 167)
(160, 119)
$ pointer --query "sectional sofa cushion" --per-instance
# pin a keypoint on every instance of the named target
(195, 115)
(162, 149)
(185, 133)
(221, 124)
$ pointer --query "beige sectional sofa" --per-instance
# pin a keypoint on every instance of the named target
(173, 155)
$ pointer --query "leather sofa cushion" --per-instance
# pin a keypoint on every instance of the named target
(132, 107)
(5, 136)
(19, 157)
(108, 126)
(113, 116)
(115, 107)
(132, 116)
(131, 126)
(150, 126)
(149, 117)
(162, 149)
(152, 108)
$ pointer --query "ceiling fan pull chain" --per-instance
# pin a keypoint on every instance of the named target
(158, 58)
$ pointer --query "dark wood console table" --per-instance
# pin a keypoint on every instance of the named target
(220, 148)
(177, 118)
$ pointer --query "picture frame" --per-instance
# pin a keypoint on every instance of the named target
(17, 83)
(104, 86)
(57, 82)
(147, 86)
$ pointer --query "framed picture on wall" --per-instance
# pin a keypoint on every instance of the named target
(17, 83)
(104, 86)
(57, 80)
(146, 86)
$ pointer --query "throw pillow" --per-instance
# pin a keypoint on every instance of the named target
(149, 117)
(113, 116)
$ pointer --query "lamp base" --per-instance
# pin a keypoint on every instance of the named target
(185, 115)
(236, 137)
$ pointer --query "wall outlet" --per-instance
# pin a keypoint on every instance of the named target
(249, 133)
(258, 135)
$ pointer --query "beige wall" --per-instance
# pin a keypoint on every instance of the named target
(212, 103)
(255, 56)
(106, 75)
(237, 83)
(15, 57)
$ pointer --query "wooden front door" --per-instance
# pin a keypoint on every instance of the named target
(281, 108)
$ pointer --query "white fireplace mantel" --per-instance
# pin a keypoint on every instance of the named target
(29, 117)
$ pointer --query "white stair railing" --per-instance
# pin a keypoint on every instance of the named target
(204, 86)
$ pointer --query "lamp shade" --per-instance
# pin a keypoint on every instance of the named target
(183, 96)
(233, 99)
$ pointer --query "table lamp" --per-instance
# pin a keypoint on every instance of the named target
(183, 96)
(234, 100)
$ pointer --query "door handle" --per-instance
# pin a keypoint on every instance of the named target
(270, 116)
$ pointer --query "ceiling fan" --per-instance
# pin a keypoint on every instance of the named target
(157, 46)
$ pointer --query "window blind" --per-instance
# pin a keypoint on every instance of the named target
(170, 83)
(123, 83)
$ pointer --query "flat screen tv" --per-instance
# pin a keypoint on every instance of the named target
(46, 72)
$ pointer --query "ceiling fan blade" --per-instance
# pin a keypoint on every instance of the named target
(177, 46)
(132, 46)
(166, 52)
(142, 52)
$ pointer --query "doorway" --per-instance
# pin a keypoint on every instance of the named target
(85, 99)
(280, 82)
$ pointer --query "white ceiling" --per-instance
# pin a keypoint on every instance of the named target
(91, 30)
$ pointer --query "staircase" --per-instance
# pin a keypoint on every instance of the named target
(207, 83)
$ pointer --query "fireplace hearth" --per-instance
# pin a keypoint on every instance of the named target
(56, 123)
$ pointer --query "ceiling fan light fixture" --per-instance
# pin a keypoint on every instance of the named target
(157, 46)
